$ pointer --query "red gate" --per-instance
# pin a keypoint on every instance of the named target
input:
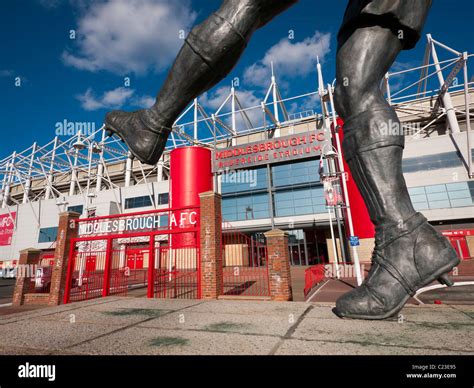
(458, 239)
(245, 264)
(157, 251)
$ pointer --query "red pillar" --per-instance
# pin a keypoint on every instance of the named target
(363, 227)
(190, 175)
(151, 268)
(108, 268)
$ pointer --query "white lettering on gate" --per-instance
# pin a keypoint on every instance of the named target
(176, 220)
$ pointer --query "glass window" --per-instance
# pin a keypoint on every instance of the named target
(443, 196)
(48, 234)
(163, 199)
(437, 196)
(459, 194)
(435, 189)
(299, 202)
(432, 162)
(439, 204)
(418, 198)
(461, 202)
(421, 206)
(416, 190)
(133, 203)
(457, 186)
(76, 209)
(246, 207)
(244, 180)
(296, 173)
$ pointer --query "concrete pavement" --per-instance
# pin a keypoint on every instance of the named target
(117, 325)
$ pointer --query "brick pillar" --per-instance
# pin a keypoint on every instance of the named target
(67, 230)
(23, 286)
(279, 265)
(211, 245)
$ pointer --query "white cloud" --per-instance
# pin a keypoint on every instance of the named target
(112, 99)
(144, 101)
(305, 104)
(213, 100)
(125, 36)
(290, 60)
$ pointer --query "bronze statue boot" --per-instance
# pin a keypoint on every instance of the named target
(409, 253)
(405, 259)
(209, 53)
(142, 132)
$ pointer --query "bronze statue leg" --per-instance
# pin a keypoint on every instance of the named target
(209, 53)
(361, 64)
(409, 253)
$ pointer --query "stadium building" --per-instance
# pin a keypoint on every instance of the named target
(276, 165)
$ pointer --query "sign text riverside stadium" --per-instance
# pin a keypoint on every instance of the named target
(281, 149)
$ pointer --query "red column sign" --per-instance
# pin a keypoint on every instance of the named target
(7, 226)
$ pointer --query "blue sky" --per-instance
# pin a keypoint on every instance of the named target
(80, 79)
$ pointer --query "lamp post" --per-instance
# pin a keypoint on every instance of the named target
(92, 148)
(332, 175)
(331, 157)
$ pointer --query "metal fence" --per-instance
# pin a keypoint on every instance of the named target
(245, 264)
(163, 260)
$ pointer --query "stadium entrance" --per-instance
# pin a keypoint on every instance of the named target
(157, 251)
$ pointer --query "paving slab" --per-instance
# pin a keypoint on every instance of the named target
(145, 303)
(106, 316)
(456, 336)
(151, 341)
(294, 347)
(47, 335)
(124, 325)
(48, 310)
(276, 324)
(249, 307)
(432, 314)
(25, 351)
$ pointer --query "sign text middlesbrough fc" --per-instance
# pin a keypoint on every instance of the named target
(281, 149)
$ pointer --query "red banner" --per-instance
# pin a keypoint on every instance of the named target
(7, 226)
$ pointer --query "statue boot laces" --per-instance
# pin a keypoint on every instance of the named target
(409, 253)
(406, 258)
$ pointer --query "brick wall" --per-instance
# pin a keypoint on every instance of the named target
(211, 245)
(23, 284)
(279, 265)
(67, 230)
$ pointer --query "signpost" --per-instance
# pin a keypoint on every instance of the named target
(354, 241)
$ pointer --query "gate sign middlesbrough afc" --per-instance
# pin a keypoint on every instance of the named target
(281, 149)
(143, 223)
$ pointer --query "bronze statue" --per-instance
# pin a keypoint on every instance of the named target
(409, 253)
